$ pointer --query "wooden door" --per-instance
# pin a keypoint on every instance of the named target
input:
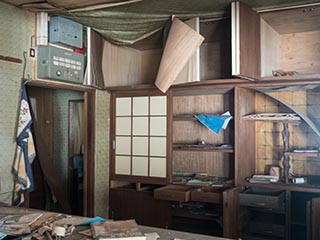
(231, 213)
(246, 60)
(315, 218)
(41, 101)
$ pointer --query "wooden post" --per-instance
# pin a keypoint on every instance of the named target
(285, 137)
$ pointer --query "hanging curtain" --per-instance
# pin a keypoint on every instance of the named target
(25, 153)
(77, 128)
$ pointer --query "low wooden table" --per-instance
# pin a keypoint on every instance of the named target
(165, 234)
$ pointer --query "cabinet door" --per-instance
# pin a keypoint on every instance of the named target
(139, 150)
(231, 213)
(246, 60)
(315, 218)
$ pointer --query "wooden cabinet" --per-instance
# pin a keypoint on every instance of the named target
(128, 203)
(283, 61)
(195, 148)
(301, 146)
(280, 42)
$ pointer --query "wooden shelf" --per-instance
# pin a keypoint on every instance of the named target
(273, 117)
(303, 154)
(305, 187)
(204, 148)
(185, 117)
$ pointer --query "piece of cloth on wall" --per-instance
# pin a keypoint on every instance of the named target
(129, 23)
(25, 153)
(215, 122)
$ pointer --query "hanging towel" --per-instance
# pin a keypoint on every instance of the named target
(25, 153)
(215, 122)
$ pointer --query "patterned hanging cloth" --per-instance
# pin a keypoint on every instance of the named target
(25, 154)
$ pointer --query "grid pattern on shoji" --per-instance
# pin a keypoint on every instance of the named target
(141, 136)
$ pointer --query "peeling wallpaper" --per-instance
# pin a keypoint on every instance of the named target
(102, 154)
(16, 29)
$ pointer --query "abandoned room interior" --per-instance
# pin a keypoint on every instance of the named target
(176, 119)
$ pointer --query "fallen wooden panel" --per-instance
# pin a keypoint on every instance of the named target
(181, 44)
(191, 71)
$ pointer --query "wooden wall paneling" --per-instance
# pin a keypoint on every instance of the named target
(270, 49)
(213, 163)
(304, 59)
(169, 134)
(89, 153)
(215, 51)
(245, 154)
(315, 215)
(198, 104)
(245, 41)
(112, 135)
(139, 205)
(150, 61)
(294, 20)
(120, 65)
(231, 213)
(191, 71)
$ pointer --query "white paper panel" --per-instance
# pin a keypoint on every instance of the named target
(140, 166)
(158, 126)
(158, 105)
(140, 106)
(123, 165)
(140, 126)
(140, 146)
(123, 126)
(123, 106)
(158, 167)
(123, 145)
(158, 146)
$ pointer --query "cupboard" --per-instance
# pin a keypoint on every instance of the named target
(284, 81)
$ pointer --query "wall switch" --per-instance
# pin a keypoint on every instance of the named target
(32, 52)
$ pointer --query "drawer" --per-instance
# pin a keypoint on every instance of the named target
(267, 229)
(179, 193)
(210, 195)
(262, 198)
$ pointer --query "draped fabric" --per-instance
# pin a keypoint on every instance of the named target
(130, 23)
(25, 153)
(96, 54)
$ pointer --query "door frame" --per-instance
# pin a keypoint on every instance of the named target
(89, 136)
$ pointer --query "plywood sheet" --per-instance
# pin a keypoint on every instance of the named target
(191, 71)
(181, 44)
(300, 52)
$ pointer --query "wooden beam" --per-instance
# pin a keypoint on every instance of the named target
(10, 59)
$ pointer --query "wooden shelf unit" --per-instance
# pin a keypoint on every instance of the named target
(267, 136)
(194, 147)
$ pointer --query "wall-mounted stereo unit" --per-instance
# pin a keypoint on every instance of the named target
(60, 64)
(65, 32)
